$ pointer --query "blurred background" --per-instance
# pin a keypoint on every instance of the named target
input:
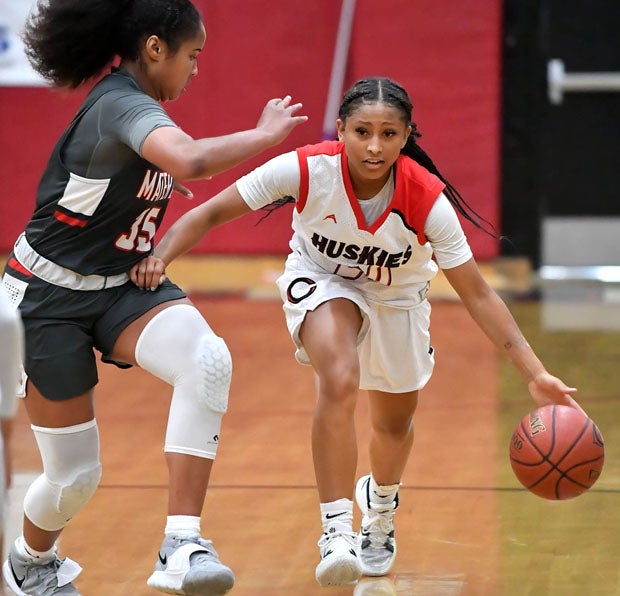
(518, 102)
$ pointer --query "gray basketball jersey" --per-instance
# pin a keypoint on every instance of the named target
(99, 203)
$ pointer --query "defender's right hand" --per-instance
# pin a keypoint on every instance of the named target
(149, 273)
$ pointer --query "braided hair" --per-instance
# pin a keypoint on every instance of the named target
(70, 42)
(387, 91)
(384, 90)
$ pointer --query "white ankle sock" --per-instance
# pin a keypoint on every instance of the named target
(337, 515)
(26, 551)
(182, 526)
(382, 494)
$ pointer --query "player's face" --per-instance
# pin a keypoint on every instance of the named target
(373, 136)
(177, 69)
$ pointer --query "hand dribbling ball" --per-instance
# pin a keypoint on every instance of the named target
(557, 452)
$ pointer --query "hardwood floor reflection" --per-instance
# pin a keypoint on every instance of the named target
(464, 525)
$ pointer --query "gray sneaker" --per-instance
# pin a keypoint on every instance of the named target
(190, 567)
(28, 577)
(377, 546)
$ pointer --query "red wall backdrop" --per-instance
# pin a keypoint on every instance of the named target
(446, 54)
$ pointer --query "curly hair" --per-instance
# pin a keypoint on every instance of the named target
(70, 42)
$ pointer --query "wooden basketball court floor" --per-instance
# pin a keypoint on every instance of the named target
(464, 527)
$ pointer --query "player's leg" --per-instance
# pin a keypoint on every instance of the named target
(396, 361)
(68, 440)
(391, 439)
(174, 342)
(392, 432)
(329, 336)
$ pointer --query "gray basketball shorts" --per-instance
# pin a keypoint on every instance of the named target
(63, 327)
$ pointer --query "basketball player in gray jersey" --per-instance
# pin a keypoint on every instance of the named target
(99, 204)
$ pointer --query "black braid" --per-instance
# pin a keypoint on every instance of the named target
(383, 90)
(380, 89)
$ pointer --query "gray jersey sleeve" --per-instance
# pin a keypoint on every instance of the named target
(115, 127)
(131, 117)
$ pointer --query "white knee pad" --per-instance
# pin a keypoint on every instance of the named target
(179, 347)
(71, 474)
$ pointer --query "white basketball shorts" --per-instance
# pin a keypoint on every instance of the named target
(394, 345)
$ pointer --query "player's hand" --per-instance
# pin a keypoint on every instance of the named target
(279, 119)
(149, 273)
(183, 190)
(547, 389)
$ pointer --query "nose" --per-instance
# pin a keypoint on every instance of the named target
(195, 69)
(374, 145)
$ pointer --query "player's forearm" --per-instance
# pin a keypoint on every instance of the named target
(182, 236)
(494, 318)
(215, 155)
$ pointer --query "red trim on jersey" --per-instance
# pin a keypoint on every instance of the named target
(415, 193)
(348, 186)
(415, 188)
(13, 263)
(324, 148)
(72, 221)
(304, 183)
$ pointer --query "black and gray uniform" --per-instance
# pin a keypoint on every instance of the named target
(99, 205)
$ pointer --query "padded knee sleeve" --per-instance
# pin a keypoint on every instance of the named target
(71, 474)
(179, 347)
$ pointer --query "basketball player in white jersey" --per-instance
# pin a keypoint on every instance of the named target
(373, 221)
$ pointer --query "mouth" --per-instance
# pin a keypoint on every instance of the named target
(373, 163)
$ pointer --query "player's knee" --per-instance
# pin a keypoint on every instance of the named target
(50, 505)
(179, 347)
(214, 368)
(74, 496)
(71, 474)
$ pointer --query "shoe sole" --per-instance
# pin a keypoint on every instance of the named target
(10, 580)
(161, 581)
(339, 572)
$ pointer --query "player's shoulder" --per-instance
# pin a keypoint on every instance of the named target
(410, 172)
(323, 148)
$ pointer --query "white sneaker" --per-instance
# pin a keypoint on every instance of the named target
(28, 576)
(339, 564)
(377, 547)
(190, 566)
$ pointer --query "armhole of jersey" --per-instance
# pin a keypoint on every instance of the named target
(304, 181)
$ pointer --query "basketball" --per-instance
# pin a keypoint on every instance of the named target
(557, 452)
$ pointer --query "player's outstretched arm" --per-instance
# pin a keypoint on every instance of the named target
(493, 317)
(186, 232)
(185, 158)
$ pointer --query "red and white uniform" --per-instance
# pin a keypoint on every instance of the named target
(376, 252)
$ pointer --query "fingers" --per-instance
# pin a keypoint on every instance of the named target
(285, 103)
(183, 190)
(571, 402)
(149, 274)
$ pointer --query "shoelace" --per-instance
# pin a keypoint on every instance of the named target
(325, 539)
(380, 524)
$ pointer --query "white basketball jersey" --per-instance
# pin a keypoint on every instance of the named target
(330, 228)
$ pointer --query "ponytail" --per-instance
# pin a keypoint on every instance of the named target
(383, 90)
(415, 152)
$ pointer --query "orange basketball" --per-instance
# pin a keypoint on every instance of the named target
(557, 452)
